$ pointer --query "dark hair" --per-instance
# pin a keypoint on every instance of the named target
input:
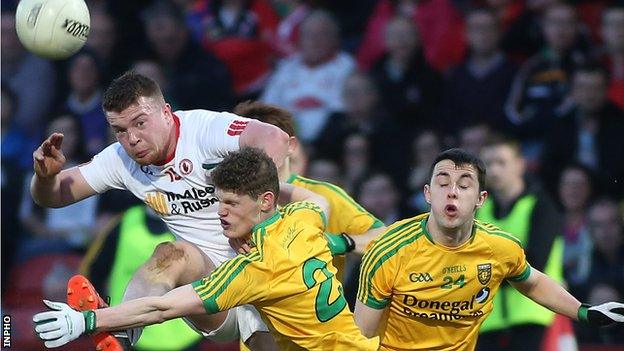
(248, 171)
(127, 89)
(266, 113)
(461, 157)
(499, 139)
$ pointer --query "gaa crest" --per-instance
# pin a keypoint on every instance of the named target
(484, 273)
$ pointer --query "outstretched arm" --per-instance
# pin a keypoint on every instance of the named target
(548, 293)
(64, 324)
(51, 186)
(179, 302)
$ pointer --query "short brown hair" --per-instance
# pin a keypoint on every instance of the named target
(248, 171)
(266, 113)
(461, 157)
(498, 139)
(127, 89)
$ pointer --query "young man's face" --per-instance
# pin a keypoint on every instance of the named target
(454, 194)
(144, 130)
(238, 213)
(505, 168)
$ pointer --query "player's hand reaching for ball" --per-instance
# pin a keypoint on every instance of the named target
(601, 315)
(48, 158)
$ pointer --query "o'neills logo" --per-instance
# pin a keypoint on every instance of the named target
(442, 310)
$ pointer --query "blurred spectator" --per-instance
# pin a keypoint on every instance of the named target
(155, 71)
(518, 205)
(538, 95)
(438, 22)
(590, 134)
(197, 79)
(507, 11)
(425, 148)
(31, 79)
(239, 33)
(607, 233)
(57, 229)
(410, 89)
(17, 145)
(85, 100)
(325, 170)
(103, 41)
(523, 32)
(575, 191)
(477, 89)
(364, 115)
(612, 31)
(380, 196)
(356, 161)
(292, 13)
(599, 293)
(16, 158)
(310, 82)
(473, 137)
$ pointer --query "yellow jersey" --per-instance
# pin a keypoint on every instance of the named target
(345, 215)
(437, 297)
(288, 276)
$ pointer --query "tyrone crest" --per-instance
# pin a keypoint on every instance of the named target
(484, 273)
(186, 166)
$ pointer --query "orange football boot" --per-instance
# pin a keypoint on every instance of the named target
(81, 296)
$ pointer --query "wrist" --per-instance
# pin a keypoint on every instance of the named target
(89, 317)
(582, 312)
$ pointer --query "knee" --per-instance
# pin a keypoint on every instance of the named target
(165, 256)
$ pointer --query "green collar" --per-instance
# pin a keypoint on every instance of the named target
(292, 178)
(423, 225)
(259, 228)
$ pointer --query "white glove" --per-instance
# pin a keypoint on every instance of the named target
(60, 326)
(605, 314)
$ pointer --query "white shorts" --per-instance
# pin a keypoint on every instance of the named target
(240, 323)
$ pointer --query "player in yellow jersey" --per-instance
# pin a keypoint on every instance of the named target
(427, 283)
(287, 275)
(347, 216)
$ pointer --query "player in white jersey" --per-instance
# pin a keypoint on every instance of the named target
(165, 158)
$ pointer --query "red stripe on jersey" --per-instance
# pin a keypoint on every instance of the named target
(170, 157)
(237, 127)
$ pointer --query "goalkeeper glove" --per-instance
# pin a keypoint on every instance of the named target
(339, 244)
(63, 324)
(601, 315)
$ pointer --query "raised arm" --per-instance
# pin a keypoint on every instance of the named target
(548, 293)
(267, 137)
(50, 185)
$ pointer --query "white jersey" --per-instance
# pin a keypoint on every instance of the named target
(180, 191)
(311, 93)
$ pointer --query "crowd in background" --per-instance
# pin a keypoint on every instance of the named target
(377, 87)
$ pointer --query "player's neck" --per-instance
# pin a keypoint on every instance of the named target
(449, 237)
(285, 171)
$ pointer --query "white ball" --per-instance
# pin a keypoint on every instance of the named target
(54, 29)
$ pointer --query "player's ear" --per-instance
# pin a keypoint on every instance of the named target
(293, 144)
(482, 197)
(427, 192)
(267, 201)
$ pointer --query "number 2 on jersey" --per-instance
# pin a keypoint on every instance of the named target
(325, 310)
